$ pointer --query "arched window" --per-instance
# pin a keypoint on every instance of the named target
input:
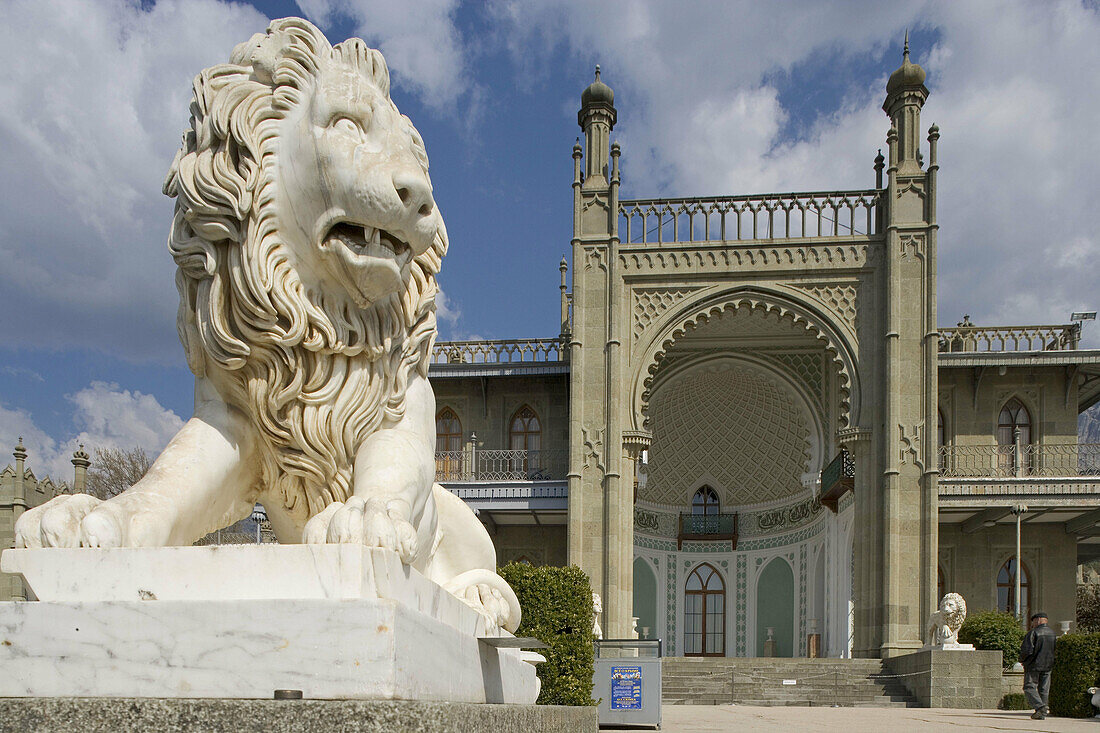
(525, 432)
(705, 501)
(941, 430)
(705, 613)
(448, 446)
(1006, 589)
(448, 431)
(1014, 416)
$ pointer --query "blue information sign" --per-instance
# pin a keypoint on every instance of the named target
(626, 688)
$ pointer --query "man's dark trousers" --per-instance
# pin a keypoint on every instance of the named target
(1037, 688)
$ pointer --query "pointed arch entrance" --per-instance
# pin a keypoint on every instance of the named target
(705, 613)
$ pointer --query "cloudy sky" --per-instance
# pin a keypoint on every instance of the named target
(713, 98)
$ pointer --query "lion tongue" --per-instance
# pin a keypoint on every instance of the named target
(353, 237)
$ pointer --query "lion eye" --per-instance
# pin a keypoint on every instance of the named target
(347, 126)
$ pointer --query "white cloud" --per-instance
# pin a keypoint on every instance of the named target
(420, 41)
(92, 103)
(1011, 90)
(104, 416)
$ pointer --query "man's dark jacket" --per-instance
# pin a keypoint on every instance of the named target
(1037, 652)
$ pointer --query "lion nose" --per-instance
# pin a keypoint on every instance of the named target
(414, 193)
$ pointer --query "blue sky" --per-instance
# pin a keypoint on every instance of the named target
(713, 98)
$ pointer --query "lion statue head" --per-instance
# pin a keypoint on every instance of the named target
(946, 622)
(308, 242)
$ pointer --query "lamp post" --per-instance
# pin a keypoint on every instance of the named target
(259, 514)
(1019, 510)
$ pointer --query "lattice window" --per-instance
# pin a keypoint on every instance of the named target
(1006, 588)
(448, 431)
(526, 430)
(705, 613)
(705, 501)
(1014, 417)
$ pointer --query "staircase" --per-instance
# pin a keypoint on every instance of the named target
(760, 681)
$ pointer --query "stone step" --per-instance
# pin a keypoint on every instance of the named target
(750, 681)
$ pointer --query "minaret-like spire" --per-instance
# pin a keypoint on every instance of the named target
(905, 96)
(597, 117)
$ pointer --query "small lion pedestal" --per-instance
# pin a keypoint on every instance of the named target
(334, 621)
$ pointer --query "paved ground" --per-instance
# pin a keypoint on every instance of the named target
(713, 718)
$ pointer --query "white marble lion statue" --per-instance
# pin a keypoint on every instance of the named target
(308, 242)
(945, 623)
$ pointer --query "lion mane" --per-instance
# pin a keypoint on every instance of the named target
(304, 366)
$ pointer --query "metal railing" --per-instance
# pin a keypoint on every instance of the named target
(707, 527)
(965, 337)
(840, 468)
(1022, 461)
(746, 218)
(502, 351)
(464, 466)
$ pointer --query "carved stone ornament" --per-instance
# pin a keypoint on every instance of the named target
(308, 242)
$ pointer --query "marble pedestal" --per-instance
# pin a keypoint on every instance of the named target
(334, 621)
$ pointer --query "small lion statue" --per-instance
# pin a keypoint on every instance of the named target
(307, 242)
(945, 623)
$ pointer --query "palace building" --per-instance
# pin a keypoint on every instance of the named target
(751, 426)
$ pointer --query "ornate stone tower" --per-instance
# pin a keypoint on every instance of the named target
(909, 379)
(601, 539)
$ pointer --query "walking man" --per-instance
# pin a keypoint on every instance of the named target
(1037, 656)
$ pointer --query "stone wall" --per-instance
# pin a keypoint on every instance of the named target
(486, 406)
(950, 678)
(1041, 389)
(539, 545)
(970, 564)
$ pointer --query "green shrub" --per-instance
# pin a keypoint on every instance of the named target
(557, 609)
(994, 630)
(1076, 669)
(1088, 608)
(1014, 701)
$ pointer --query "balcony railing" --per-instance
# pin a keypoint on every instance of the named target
(466, 466)
(707, 527)
(747, 218)
(505, 351)
(837, 478)
(967, 337)
(1010, 461)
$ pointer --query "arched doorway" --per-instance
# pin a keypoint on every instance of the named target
(775, 607)
(645, 598)
(705, 613)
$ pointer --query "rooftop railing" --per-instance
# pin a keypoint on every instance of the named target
(466, 466)
(1010, 461)
(503, 351)
(966, 337)
(746, 218)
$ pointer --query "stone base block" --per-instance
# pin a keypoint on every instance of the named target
(950, 678)
(108, 715)
(335, 621)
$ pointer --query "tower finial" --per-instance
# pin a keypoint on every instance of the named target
(905, 52)
(597, 72)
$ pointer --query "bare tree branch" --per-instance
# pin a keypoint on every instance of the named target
(114, 470)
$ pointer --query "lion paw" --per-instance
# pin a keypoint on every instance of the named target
(488, 594)
(57, 523)
(364, 521)
(80, 520)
